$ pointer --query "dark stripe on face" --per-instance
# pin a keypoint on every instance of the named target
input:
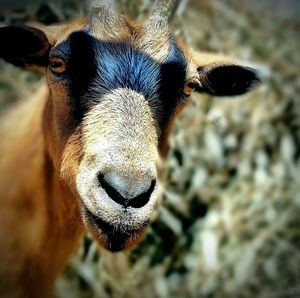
(81, 69)
(173, 74)
(79, 53)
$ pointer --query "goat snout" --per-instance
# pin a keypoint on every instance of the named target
(125, 191)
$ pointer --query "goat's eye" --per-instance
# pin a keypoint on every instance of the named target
(190, 87)
(57, 65)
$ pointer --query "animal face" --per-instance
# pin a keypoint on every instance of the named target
(119, 101)
(115, 89)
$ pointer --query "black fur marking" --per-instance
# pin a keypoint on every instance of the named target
(22, 46)
(227, 80)
(173, 74)
(81, 69)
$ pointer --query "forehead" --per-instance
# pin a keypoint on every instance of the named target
(109, 65)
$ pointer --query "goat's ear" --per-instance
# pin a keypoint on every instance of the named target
(226, 80)
(222, 76)
(24, 46)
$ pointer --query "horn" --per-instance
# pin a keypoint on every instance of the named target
(103, 12)
(163, 11)
(90, 4)
(101, 9)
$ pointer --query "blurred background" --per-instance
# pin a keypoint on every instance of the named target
(230, 222)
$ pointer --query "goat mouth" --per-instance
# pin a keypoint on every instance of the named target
(113, 238)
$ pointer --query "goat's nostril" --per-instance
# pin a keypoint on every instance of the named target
(142, 199)
(113, 191)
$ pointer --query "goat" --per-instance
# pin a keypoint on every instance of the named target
(85, 151)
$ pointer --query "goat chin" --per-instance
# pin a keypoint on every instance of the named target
(113, 238)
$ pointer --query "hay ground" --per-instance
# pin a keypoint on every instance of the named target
(230, 222)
